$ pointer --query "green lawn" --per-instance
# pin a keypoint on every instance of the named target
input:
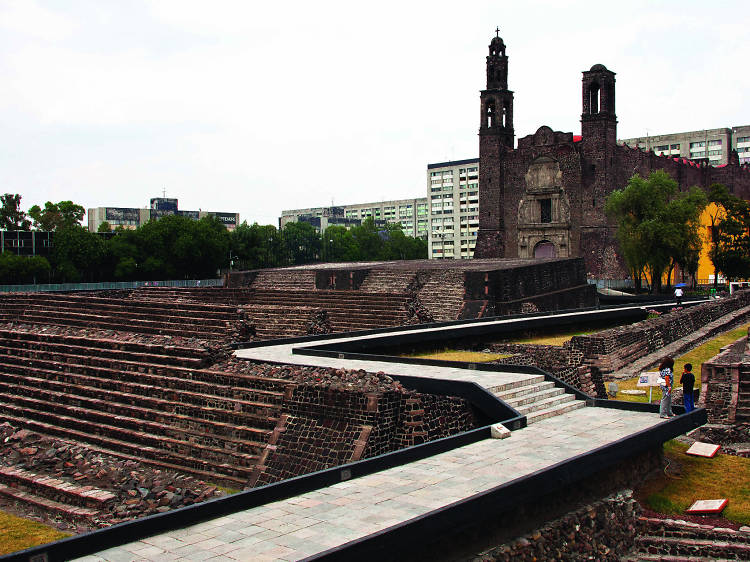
(691, 478)
(458, 355)
(17, 533)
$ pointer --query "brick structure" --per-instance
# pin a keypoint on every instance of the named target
(546, 196)
(725, 384)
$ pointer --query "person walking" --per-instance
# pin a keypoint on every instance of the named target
(666, 373)
(687, 380)
(678, 295)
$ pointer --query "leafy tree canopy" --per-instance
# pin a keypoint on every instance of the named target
(657, 226)
(56, 215)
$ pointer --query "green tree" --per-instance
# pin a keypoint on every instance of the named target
(657, 227)
(77, 254)
(368, 240)
(339, 245)
(104, 227)
(719, 195)
(11, 215)
(21, 270)
(683, 220)
(301, 243)
(56, 215)
(730, 253)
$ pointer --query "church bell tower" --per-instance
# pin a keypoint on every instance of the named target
(496, 139)
(497, 100)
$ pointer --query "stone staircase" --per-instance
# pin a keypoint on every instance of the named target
(287, 313)
(285, 279)
(203, 321)
(443, 294)
(675, 540)
(200, 295)
(139, 405)
(387, 281)
(537, 399)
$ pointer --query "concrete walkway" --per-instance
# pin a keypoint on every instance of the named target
(304, 525)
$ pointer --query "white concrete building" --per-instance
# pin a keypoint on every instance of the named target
(453, 194)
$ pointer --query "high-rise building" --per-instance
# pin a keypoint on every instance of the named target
(453, 193)
(711, 146)
(411, 214)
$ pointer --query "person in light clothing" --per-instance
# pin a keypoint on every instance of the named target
(678, 295)
(666, 373)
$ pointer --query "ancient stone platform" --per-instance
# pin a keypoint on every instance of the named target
(328, 518)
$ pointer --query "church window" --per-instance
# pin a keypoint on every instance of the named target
(545, 208)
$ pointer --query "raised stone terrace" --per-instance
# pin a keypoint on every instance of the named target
(358, 296)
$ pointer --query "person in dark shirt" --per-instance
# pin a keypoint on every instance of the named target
(688, 380)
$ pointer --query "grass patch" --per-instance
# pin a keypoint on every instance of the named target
(555, 338)
(695, 356)
(17, 533)
(228, 491)
(697, 478)
(456, 355)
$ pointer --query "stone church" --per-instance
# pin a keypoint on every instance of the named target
(545, 197)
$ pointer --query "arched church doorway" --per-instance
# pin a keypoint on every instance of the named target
(545, 249)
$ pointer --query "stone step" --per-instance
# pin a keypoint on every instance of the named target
(206, 469)
(11, 346)
(517, 385)
(102, 408)
(545, 403)
(50, 430)
(88, 302)
(224, 411)
(535, 397)
(139, 438)
(658, 526)
(150, 319)
(669, 558)
(710, 548)
(164, 329)
(557, 410)
(71, 512)
(524, 390)
(103, 344)
(55, 488)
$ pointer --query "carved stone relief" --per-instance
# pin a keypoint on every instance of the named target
(544, 209)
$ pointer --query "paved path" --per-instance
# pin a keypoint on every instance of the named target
(301, 526)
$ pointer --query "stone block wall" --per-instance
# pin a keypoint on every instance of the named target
(609, 350)
(602, 530)
(720, 383)
(553, 359)
(324, 427)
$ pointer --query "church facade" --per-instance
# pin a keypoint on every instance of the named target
(545, 197)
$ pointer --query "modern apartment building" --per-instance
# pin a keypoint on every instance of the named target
(453, 193)
(160, 206)
(712, 146)
(412, 214)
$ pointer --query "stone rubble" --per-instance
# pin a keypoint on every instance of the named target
(139, 490)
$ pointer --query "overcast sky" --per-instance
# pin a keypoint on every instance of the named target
(255, 107)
